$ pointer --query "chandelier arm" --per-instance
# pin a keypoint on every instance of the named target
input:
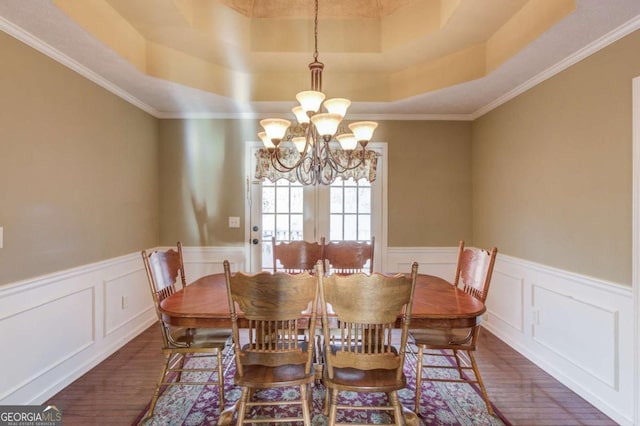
(339, 167)
(307, 172)
(306, 152)
(278, 165)
(285, 168)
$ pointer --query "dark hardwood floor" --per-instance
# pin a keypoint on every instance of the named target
(118, 389)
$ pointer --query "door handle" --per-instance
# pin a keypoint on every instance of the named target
(255, 241)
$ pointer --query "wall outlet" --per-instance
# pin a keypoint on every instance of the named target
(234, 222)
(125, 302)
(1, 237)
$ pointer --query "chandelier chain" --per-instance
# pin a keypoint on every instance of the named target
(315, 33)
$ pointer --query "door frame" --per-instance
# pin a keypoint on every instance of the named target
(635, 249)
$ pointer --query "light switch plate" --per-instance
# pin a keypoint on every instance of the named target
(1, 237)
(234, 222)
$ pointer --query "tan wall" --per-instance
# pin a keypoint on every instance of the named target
(202, 180)
(552, 169)
(202, 161)
(429, 182)
(78, 168)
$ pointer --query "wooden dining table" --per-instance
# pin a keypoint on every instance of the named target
(436, 303)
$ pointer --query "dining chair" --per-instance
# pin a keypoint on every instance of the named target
(473, 275)
(364, 356)
(349, 257)
(274, 307)
(165, 273)
(296, 256)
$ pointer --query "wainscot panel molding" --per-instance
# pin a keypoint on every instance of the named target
(577, 328)
(75, 319)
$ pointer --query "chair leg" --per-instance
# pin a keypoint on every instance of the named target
(306, 410)
(156, 394)
(181, 361)
(333, 410)
(397, 407)
(418, 378)
(476, 371)
(242, 405)
(220, 381)
(327, 401)
(456, 356)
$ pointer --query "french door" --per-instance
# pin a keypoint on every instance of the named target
(345, 210)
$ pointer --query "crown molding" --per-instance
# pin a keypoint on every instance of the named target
(259, 116)
(604, 41)
(44, 48)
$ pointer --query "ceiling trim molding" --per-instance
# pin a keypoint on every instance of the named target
(53, 53)
(46, 49)
(590, 49)
(258, 116)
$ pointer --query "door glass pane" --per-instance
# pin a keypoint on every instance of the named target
(297, 202)
(296, 227)
(350, 227)
(364, 227)
(268, 226)
(282, 215)
(336, 198)
(350, 210)
(282, 199)
(364, 200)
(335, 228)
(351, 200)
(268, 199)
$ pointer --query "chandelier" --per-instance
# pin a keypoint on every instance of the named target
(320, 155)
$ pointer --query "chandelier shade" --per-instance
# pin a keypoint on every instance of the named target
(316, 158)
(363, 130)
(300, 114)
(337, 106)
(347, 141)
(310, 100)
(265, 140)
(299, 142)
(326, 124)
(275, 128)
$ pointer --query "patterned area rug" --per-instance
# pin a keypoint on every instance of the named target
(450, 404)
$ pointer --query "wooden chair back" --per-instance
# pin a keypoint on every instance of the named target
(349, 257)
(274, 308)
(296, 256)
(474, 270)
(165, 273)
(366, 308)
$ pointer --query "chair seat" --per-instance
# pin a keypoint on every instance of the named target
(201, 337)
(364, 380)
(438, 338)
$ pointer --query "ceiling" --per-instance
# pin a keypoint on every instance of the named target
(395, 59)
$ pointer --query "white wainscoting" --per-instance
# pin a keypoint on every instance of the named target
(577, 328)
(57, 327)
